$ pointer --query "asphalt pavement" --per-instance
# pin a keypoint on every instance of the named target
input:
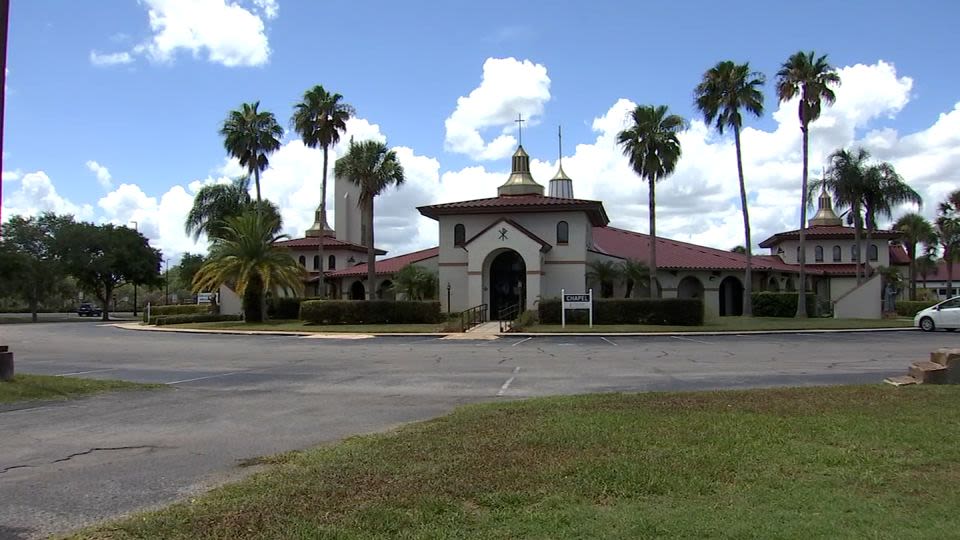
(233, 397)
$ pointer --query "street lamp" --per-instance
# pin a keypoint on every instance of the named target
(448, 298)
(136, 227)
(166, 281)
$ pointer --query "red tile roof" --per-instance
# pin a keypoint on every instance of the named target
(823, 232)
(941, 273)
(681, 255)
(328, 241)
(519, 204)
(387, 266)
(898, 254)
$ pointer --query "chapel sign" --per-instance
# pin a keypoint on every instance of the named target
(575, 301)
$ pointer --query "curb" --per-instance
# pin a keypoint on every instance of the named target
(332, 335)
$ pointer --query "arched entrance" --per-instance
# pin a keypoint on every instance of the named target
(508, 282)
(690, 287)
(357, 291)
(731, 297)
(385, 290)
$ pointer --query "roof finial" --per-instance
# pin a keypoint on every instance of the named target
(520, 122)
(560, 144)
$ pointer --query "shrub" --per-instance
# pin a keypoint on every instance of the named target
(780, 304)
(907, 308)
(185, 309)
(660, 311)
(370, 312)
(193, 318)
(284, 308)
(525, 320)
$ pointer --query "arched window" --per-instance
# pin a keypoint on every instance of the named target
(563, 232)
(331, 263)
(303, 261)
(837, 254)
(459, 234)
(855, 253)
(316, 262)
(798, 253)
(818, 254)
(873, 253)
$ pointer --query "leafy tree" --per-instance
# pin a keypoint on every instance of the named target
(250, 135)
(636, 274)
(652, 146)
(846, 180)
(915, 230)
(248, 258)
(725, 91)
(103, 257)
(34, 269)
(604, 273)
(810, 77)
(738, 249)
(320, 118)
(215, 203)
(189, 266)
(416, 282)
(373, 168)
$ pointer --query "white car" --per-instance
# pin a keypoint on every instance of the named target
(944, 315)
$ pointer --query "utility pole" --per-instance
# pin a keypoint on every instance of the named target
(136, 227)
(4, 25)
(166, 281)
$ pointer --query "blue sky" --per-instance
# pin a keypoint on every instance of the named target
(140, 88)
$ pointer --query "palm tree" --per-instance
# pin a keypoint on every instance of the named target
(247, 257)
(214, 203)
(652, 146)
(809, 77)
(373, 168)
(320, 119)
(725, 90)
(415, 282)
(948, 232)
(636, 274)
(927, 263)
(915, 229)
(250, 135)
(845, 179)
(885, 189)
(604, 273)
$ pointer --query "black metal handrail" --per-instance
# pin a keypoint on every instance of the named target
(507, 315)
(472, 317)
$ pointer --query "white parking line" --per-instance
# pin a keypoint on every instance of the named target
(85, 372)
(506, 385)
(691, 339)
(207, 377)
(521, 341)
(608, 341)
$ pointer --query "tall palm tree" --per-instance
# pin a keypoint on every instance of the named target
(845, 179)
(915, 229)
(927, 263)
(250, 135)
(372, 167)
(725, 91)
(247, 256)
(320, 118)
(809, 77)
(214, 203)
(652, 146)
(948, 232)
(884, 190)
(636, 275)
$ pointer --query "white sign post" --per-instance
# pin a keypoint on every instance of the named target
(575, 301)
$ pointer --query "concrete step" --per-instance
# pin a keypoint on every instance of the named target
(902, 380)
(928, 372)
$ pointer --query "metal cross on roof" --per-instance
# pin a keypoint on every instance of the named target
(520, 122)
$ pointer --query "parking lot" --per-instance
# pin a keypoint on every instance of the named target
(232, 398)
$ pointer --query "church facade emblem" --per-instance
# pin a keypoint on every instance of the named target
(503, 233)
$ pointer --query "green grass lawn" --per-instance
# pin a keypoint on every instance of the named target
(299, 326)
(840, 462)
(734, 324)
(28, 387)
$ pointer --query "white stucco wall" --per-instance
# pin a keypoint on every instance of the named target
(230, 302)
(789, 254)
(860, 303)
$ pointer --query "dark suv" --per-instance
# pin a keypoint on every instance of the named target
(87, 309)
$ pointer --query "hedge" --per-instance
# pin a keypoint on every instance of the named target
(285, 308)
(184, 309)
(370, 312)
(780, 304)
(194, 318)
(661, 311)
(906, 308)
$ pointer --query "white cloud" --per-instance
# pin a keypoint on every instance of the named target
(34, 194)
(103, 174)
(111, 59)
(221, 31)
(509, 86)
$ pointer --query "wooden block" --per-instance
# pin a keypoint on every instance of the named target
(949, 358)
(902, 380)
(928, 372)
